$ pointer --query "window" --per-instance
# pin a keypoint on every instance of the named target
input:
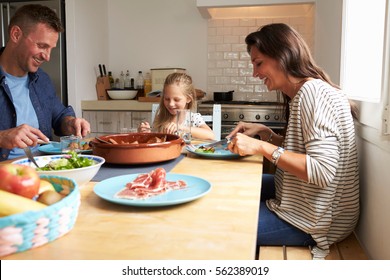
(362, 51)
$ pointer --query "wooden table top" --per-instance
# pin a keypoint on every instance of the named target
(221, 225)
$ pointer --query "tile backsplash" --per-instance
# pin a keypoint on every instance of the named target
(229, 65)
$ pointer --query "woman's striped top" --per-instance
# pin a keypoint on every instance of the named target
(327, 206)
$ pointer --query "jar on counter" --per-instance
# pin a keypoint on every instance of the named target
(140, 84)
(147, 83)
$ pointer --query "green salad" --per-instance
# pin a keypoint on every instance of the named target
(72, 162)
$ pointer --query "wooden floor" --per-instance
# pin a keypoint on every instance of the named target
(348, 249)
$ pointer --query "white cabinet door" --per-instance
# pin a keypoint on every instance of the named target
(107, 121)
(125, 120)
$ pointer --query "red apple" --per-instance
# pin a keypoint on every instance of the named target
(19, 179)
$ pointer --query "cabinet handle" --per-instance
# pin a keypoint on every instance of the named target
(105, 122)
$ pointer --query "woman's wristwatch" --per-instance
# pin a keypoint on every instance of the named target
(276, 155)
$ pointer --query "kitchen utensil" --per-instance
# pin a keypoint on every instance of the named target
(103, 141)
(223, 96)
(104, 70)
(127, 151)
(100, 70)
(222, 142)
(30, 156)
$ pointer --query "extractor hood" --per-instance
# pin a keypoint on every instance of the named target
(219, 9)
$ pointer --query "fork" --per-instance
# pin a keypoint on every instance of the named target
(30, 156)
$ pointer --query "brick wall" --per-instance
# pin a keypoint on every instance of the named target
(229, 65)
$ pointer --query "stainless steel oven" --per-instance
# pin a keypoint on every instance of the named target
(267, 113)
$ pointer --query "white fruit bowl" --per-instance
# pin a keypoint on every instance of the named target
(121, 93)
(81, 175)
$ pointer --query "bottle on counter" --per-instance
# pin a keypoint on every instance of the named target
(147, 83)
(122, 80)
(111, 79)
(140, 84)
(127, 80)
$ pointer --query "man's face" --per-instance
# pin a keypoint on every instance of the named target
(35, 47)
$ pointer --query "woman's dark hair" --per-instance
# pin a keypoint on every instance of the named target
(282, 43)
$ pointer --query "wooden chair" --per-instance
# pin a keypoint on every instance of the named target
(215, 118)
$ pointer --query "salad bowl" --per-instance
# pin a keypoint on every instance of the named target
(81, 169)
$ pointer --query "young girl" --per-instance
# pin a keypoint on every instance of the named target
(178, 93)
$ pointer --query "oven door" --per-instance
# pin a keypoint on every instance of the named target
(227, 127)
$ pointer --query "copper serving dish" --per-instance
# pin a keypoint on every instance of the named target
(140, 153)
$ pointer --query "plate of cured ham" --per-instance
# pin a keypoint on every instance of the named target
(153, 189)
(218, 152)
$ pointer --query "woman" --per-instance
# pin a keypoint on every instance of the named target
(178, 93)
(313, 199)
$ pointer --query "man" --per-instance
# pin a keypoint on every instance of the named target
(29, 106)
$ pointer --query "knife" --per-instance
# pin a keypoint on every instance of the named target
(104, 70)
(222, 142)
(100, 70)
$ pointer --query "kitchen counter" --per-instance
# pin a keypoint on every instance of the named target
(116, 105)
(222, 225)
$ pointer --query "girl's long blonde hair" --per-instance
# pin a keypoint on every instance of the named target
(184, 81)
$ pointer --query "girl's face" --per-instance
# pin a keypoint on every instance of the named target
(174, 98)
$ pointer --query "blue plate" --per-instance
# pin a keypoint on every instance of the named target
(55, 149)
(196, 188)
(220, 152)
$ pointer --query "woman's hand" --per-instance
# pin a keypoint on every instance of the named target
(245, 145)
(250, 129)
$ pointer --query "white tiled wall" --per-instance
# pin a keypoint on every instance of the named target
(229, 66)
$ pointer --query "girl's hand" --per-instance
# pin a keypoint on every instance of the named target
(170, 128)
(144, 127)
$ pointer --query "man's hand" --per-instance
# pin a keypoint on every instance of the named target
(21, 137)
(76, 126)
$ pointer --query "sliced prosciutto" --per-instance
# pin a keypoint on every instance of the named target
(150, 184)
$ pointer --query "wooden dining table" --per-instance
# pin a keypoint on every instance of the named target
(221, 225)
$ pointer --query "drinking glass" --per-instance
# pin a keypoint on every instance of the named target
(183, 122)
(70, 143)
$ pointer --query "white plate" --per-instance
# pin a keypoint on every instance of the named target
(196, 188)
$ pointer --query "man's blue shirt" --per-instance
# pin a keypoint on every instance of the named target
(48, 108)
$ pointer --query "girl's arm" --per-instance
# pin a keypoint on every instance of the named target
(202, 132)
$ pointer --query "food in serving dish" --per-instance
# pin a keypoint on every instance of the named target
(81, 175)
(142, 153)
(71, 162)
(149, 184)
(147, 140)
(79, 146)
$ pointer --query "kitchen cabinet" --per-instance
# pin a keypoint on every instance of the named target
(107, 117)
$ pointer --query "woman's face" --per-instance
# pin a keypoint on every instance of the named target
(267, 69)
(174, 98)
